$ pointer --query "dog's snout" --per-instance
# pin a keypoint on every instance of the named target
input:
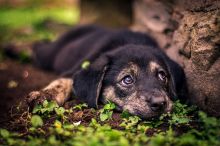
(157, 104)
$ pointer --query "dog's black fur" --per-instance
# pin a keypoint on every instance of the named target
(114, 53)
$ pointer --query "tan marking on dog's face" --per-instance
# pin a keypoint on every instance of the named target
(169, 103)
(125, 103)
(132, 102)
(153, 66)
(109, 95)
(131, 68)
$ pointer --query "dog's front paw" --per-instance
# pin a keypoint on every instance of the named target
(30, 101)
(38, 97)
(59, 90)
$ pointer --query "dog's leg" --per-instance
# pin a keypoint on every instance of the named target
(58, 90)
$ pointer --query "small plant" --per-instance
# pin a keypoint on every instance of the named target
(71, 132)
(125, 114)
(106, 111)
(180, 114)
(80, 106)
(46, 108)
(36, 121)
(85, 64)
(50, 107)
(9, 138)
(208, 134)
(130, 123)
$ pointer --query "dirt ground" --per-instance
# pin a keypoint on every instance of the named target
(16, 81)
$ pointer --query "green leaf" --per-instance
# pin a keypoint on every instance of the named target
(52, 140)
(60, 111)
(80, 106)
(4, 133)
(36, 121)
(85, 64)
(94, 123)
(68, 126)
(51, 105)
(106, 112)
(103, 117)
(37, 109)
(45, 103)
(109, 106)
(130, 123)
(125, 114)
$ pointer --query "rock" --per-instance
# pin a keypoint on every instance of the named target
(189, 31)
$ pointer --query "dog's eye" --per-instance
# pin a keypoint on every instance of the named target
(127, 80)
(162, 76)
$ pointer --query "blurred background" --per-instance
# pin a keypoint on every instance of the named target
(24, 22)
(188, 31)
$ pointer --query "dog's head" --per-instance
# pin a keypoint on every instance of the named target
(139, 79)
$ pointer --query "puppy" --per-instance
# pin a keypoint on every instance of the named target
(127, 68)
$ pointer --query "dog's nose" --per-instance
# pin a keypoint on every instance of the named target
(157, 104)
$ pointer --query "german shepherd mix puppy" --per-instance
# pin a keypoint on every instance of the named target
(127, 68)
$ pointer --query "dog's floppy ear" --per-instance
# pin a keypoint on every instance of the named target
(88, 82)
(177, 85)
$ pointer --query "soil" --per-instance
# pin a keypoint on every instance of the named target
(16, 81)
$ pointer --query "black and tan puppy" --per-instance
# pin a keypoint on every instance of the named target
(126, 68)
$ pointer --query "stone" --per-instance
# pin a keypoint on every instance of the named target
(189, 32)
